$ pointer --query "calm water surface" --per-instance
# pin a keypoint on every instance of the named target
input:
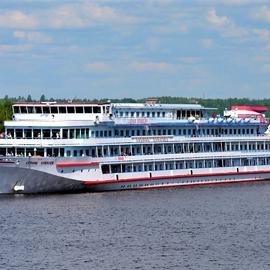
(222, 227)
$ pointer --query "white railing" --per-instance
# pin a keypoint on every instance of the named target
(129, 140)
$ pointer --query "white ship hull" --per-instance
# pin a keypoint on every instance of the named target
(15, 179)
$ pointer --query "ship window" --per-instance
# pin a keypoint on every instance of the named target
(46, 109)
(62, 110)
(96, 109)
(65, 133)
(30, 109)
(148, 114)
(19, 133)
(88, 109)
(143, 114)
(70, 109)
(158, 114)
(132, 114)
(38, 109)
(153, 114)
(105, 169)
(62, 152)
(71, 133)
(116, 168)
(163, 114)
(54, 110)
(75, 153)
(23, 109)
(16, 109)
(79, 109)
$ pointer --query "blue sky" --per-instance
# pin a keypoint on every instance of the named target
(128, 48)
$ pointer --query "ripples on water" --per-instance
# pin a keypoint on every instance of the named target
(221, 227)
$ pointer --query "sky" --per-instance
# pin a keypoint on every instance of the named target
(135, 48)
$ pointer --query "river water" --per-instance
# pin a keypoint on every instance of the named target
(219, 227)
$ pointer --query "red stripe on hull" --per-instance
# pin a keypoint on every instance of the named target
(77, 164)
(174, 177)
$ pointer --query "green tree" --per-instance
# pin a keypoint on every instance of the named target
(42, 98)
(29, 98)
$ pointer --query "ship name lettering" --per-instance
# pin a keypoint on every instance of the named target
(47, 162)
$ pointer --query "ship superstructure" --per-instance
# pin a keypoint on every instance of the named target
(70, 147)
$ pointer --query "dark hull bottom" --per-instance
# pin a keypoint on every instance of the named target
(12, 179)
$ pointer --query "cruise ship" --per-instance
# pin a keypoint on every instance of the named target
(52, 147)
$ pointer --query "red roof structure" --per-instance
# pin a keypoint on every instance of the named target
(258, 109)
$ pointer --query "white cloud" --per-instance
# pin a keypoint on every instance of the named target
(263, 13)
(152, 66)
(4, 48)
(78, 15)
(218, 21)
(83, 15)
(17, 19)
(183, 28)
(263, 34)
(231, 2)
(266, 68)
(33, 37)
(226, 26)
(207, 43)
(98, 67)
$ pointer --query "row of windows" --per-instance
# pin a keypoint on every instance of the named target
(85, 132)
(140, 114)
(175, 132)
(144, 149)
(160, 166)
(107, 151)
(60, 109)
(179, 114)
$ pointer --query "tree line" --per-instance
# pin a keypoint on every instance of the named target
(218, 105)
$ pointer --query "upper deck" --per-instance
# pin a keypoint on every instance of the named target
(60, 111)
(42, 115)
